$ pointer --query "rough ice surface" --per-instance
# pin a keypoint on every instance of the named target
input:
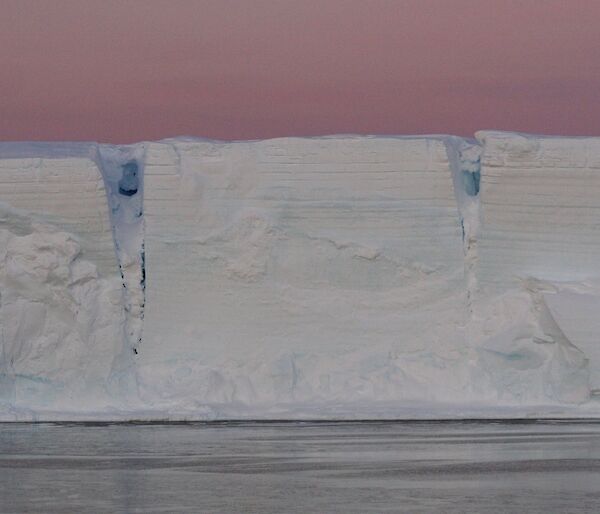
(61, 308)
(539, 243)
(301, 271)
(333, 277)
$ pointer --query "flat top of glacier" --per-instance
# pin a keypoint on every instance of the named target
(20, 149)
(83, 149)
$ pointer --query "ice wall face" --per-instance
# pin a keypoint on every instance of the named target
(328, 277)
(540, 236)
(301, 270)
(67, 192)
(540, 200)
(61, 309)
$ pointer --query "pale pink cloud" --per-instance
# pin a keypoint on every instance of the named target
(125, 70)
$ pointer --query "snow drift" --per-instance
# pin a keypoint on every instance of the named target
(335, 277)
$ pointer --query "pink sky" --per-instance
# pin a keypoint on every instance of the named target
(128, 70)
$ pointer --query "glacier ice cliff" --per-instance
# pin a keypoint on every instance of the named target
(328, 277)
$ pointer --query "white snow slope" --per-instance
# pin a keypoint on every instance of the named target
(337, 277)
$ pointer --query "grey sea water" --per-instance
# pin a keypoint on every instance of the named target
(530, 467)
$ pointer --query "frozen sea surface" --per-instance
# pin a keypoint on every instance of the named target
(534, 466)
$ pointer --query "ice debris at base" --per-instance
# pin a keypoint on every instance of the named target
(340, 277)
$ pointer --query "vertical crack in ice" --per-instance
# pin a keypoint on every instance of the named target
(464, 156)
(122, 170)
(129, 183)
(471, 181)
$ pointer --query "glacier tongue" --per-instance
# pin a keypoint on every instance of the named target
(341, 276)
